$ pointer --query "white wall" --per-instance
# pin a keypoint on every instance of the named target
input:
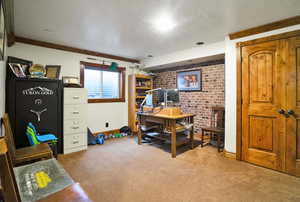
(230, 84)
(98, 113)
(188, 54)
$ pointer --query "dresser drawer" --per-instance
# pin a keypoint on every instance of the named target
(75, 149)
(74, 112)
(75, 140)
(75, 95)
(75, 126)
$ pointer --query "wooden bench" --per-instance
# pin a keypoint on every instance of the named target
(11, 193)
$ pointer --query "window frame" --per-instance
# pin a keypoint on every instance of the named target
(121, 70)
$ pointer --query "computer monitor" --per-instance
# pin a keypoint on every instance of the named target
(161, 96)
(172, 95)
(149, 100)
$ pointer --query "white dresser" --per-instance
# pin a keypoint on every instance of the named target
(75, 119)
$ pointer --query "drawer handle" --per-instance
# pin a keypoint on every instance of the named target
(76, 112)
(75, 142)
(75, 97)
(75, 127)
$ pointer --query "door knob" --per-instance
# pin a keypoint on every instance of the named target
(290, 112)
(281, 111)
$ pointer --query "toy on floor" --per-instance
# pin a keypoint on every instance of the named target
(116, 135)
(126, 130)
(100, 139)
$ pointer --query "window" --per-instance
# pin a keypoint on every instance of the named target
(103, 84)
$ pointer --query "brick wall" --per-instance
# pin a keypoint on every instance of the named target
(198, 103)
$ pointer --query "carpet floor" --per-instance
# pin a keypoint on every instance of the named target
(122, 171)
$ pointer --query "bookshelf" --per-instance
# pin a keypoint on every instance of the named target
(138, 84)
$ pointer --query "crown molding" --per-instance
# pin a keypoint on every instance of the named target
(265, 28)
(72, 49)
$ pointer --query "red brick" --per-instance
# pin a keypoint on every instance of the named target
(199, 103)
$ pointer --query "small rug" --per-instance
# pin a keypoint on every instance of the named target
(38, 180)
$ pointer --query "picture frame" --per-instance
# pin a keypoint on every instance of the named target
(17, 70)
(2, 30)
(53, 71)
(25, 68)
(71, 81)
(189, 80)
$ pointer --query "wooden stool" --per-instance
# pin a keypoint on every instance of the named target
(216, 128)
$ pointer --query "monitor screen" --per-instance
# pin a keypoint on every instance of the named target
(161, 95)
(173, 96)
(149, 100)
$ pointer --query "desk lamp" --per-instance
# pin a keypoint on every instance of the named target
(147, 97)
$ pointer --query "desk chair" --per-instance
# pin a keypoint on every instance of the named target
(26, 154)
(216, 129)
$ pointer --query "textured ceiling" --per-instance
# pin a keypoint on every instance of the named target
(125, 27)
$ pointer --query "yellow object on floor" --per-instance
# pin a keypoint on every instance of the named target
(42, 179)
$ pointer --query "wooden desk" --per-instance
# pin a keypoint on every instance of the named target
(168, 122)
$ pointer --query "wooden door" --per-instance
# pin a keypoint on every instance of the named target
(293, 108)
(263, 94)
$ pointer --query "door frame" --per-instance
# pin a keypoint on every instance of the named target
(239, 100)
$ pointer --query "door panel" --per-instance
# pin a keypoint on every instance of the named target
(261, 133)
(263, 127)
(261, 77)
(293, 103)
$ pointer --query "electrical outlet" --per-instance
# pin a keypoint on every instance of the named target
(106, 124)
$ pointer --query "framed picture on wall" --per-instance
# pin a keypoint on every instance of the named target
(189, 80)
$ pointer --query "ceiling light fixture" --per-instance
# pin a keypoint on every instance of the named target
(164, 23)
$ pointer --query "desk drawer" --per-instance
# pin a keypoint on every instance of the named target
(75, 95)
(75, 140)
(74, 112)
(75, 126)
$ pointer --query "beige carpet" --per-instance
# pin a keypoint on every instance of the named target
(122, 171)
